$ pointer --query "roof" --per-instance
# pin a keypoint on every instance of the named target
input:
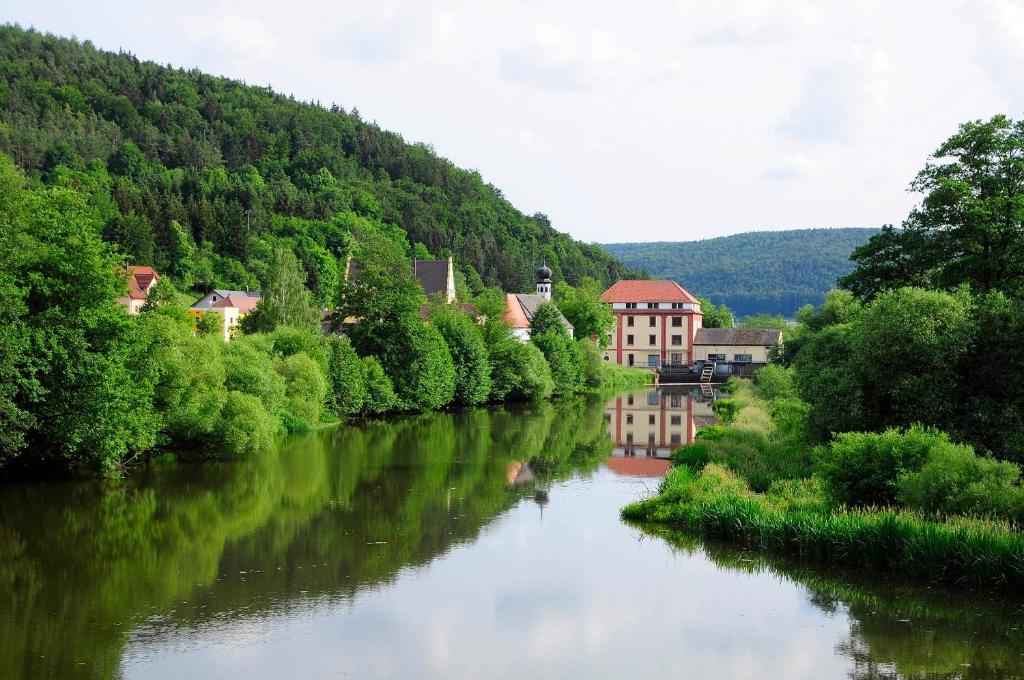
(432, 274)
(638, 466)
(139, 280)
(637, 290)
(738, 336)
(520, 308)
(244, 303)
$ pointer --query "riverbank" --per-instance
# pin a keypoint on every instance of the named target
(754, 483)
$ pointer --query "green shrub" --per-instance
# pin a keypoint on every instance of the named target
(348, 393)
(249, 369)
(380, 395)
(774, 382)
(956, 481)
(694, 456)
(592, 362)
(726, 409)
(243, 425)
(469, 354)
(519, 372)
(862, 468)
(564, 359)
(305, 390)
(712, 432)
(287, 341)
(790, 416)
(808, 494)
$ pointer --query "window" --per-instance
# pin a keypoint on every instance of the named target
(653, 398)
(677, 322)
(677, 339)
(652, 361)
(677, 358)
(629, 321)
(610, 339)
(629, 437)
(629, 361)
(652, 339)
(629, 339)
(653, 305)
(716, 357)
(677, 400)
(630, 305)
(629, 419)
(629, 399)
(677, 420)
(653, 321)
(743, 358)
(676, 440)
(650, 419)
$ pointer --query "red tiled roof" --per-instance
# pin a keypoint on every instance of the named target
(242, 302)
(638, 466)
(139, 280)
(515, 315)
(647, 291)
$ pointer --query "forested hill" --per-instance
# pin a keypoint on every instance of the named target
(774, 272)
(203, 176)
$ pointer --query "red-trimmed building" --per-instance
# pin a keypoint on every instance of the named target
(655, 323)
(140, 281)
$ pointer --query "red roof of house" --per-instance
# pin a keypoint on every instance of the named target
(139, 280)
(244, 303)
(515, 315)
(647, 291)
(638, 466)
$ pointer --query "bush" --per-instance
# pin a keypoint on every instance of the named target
(519, 372)
(469, 354)
(564, 359)
(774, 382)
(711, 432)
(287, 341)
(345, 374)
(305, 390)
(862, 468)
(790, 416)
(380, 395)
(592, 362)
(695, 456)
(243, 425)
(726, 409)
(956, 481)
(249, 369)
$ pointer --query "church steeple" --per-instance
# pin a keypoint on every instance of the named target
(544, 281)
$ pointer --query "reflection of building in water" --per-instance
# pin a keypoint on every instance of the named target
(630, 466)
(657, 422)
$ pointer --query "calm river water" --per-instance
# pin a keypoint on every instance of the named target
(480, 544)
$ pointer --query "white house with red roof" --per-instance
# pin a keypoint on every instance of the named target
(655, 323)
(520, 307)
(231, 305)
(140, 281)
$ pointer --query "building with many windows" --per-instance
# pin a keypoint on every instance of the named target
(655, 323)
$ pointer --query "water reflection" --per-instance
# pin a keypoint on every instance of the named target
(656, 422)
(482, 542)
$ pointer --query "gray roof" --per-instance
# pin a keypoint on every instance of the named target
(224, 292)
(531, 301)
(738, 336)
(432, 275)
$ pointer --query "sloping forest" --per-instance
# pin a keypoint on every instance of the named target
(202, 176)
(765, 272)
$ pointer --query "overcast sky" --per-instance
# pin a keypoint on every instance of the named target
(622, 121)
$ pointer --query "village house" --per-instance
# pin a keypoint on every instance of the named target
(230, 305)
(741, 350)
(140, 281)
(655, 324)
(520, 307)
(436, 277)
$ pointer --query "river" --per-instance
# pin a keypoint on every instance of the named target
(475, 544)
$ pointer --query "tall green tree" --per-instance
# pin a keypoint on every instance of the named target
(547, 319)
(583, 308)
(716, 316)
(286, 301)
(469, 354)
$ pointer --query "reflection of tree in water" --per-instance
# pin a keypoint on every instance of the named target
(178, 546)
(896, 630)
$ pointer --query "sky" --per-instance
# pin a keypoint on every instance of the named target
(620, 121)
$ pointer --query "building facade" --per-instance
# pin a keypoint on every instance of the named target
(140, 281)
(230, 305)
(736, 345)
(655, 324)
(520, 307)
(656, 423)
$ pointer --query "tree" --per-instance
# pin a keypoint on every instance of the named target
(715, 317)
(968, 228)
(285, 300)
(583, 308)
(210, 323)
(348, 390)
(547, 319)
(380, 394)
(763, 321)
(519, 372)
(469, 354)
(565, 360)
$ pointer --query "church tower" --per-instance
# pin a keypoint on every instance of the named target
(544, 282)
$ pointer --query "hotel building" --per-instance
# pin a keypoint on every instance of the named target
(655, 324)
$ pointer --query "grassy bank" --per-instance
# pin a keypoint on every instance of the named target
(793, 511)
(614, 377)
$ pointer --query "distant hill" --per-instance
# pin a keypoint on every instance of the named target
(774, 272)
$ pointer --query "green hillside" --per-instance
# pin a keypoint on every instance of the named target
(203, 176)
(773, 272)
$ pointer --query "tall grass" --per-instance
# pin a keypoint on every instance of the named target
(616, 377)
(960, 551)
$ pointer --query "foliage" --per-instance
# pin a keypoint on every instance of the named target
(519, 372)
(210, 323)
(583, 308)
(285, 299)
(973, 206)
(565, 359)
(955, 481)
(243, 425)
(726, 409)
(614, 376)
(592, 362)
(770, 272)
(715, 316)
(774, 382)
(348, 392)
(305, 391)
(863, 468)
(380, 394)
(547, 319)
(204, 177)
(469, 354)
(763, 321)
